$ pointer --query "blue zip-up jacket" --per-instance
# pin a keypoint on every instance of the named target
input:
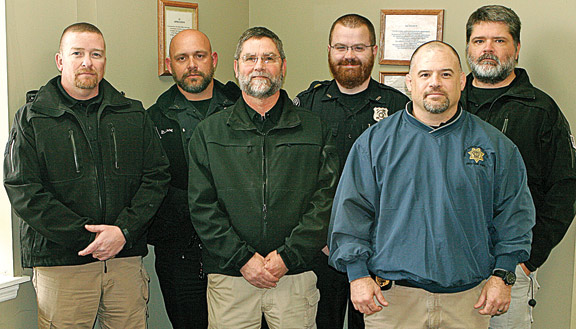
(440, 208)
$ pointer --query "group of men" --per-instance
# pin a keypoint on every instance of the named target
(266, 211)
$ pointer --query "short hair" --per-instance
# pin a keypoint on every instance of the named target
(435, 42)
(81, 27)
(495, 14)
(259, 32)
(354, 21)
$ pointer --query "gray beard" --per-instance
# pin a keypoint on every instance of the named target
(491, 74)
(260, 88)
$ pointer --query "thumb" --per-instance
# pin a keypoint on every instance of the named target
(481, 300)
(381, 298)
(94, 228)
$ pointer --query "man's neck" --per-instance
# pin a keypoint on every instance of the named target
(203, 95)
(431, 119)
(479, 84)
(261, 105)
(81, 94)
(355, 90)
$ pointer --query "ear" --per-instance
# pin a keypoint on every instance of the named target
(236, 68)
(517, 51)
(58, 59)
(284, 67)
(168, 61)
(462, 81)
(375, 50)
(408, 81)
(214, 59)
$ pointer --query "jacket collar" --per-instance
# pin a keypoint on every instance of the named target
(172, 99)
(519, 88)
(51, 102)
(333, 92)
(239, 119)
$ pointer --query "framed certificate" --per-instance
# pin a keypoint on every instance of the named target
(173, 17)
(396, 80)
(402, 31)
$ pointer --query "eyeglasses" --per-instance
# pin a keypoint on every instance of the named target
(359, 48)
(266, 59)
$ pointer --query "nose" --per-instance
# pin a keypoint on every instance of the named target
(87, 62)
(434, 80)
(349, 53)
(259, 66)
(488, 46)
(192, 65)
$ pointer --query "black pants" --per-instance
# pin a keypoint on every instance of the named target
(183, 288)
(334, 296)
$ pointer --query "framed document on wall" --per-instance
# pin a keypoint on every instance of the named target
(395, 80)
(402, 31)
(173, 17)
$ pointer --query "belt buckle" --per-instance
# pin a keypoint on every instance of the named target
(383, 283)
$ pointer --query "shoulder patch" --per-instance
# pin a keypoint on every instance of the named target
(296, 101)
(573, 142)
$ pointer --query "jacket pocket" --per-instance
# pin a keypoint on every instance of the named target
(62, 149)
(126, 148)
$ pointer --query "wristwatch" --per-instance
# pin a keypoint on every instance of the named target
(508, 277)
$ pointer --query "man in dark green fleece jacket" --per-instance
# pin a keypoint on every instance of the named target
(261, 182)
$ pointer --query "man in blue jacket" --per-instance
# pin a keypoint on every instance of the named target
(434, 204)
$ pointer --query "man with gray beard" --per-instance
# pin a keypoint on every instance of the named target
(261, 181)
(502, 94)
(194, 96)
(349, 103)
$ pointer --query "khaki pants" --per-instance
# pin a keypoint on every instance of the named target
(417, 308)
(235, 303)
(115, 291)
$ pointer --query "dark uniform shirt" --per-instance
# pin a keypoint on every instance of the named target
(345, 121)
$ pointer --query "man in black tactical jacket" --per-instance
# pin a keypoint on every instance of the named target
(502, 94)
(85, 171)
(349, 104)
(194, 96)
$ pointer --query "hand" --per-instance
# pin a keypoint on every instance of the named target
(255, 273)
(494, 298)
(362, 292)
(525, 269)
(275, 264)
(108, 243)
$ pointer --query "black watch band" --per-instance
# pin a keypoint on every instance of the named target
(508, 276)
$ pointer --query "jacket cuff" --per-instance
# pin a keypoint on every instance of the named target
(244, 259)
(530, 266)
(284, 254)
(128, 244)
(507, 262)
(357, 270)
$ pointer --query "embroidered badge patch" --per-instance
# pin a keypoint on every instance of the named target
(380, 113)
(476, 154)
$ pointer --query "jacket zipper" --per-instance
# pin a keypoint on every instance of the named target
(505, 126)
(113, 132)
(12, 154)
(264, 188)
(73, 142)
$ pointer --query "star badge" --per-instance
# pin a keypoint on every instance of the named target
(476, 154)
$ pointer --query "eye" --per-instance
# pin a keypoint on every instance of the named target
(424, 75)
(96, 55)
(200, 56)
(359, 48)
(446, 75)
(340, 47)
(180, 58)
(75, 53)
(251, 59)
(478, 41)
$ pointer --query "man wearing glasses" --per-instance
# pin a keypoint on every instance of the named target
(261, 182)
(349, 104)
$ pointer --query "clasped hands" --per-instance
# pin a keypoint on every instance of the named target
(264, 272)
(108, 243)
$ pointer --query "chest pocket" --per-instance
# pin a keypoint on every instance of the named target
(125, 147)
(62, 148)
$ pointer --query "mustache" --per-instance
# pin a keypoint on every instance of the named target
(489, 56)
(350, 61)
(83, 71)
(435, 91)
(260, 74)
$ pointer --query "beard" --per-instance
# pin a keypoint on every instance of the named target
(196, 84)
(260, 88)
(351, 78)
(438, 107)
(86, 82)
(488, 73)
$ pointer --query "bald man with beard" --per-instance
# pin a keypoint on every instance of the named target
(194, 96)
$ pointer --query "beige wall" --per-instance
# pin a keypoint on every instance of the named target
(129, 26)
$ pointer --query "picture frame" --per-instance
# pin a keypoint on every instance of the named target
(403, 30)
(173, 17)
(395, 80)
